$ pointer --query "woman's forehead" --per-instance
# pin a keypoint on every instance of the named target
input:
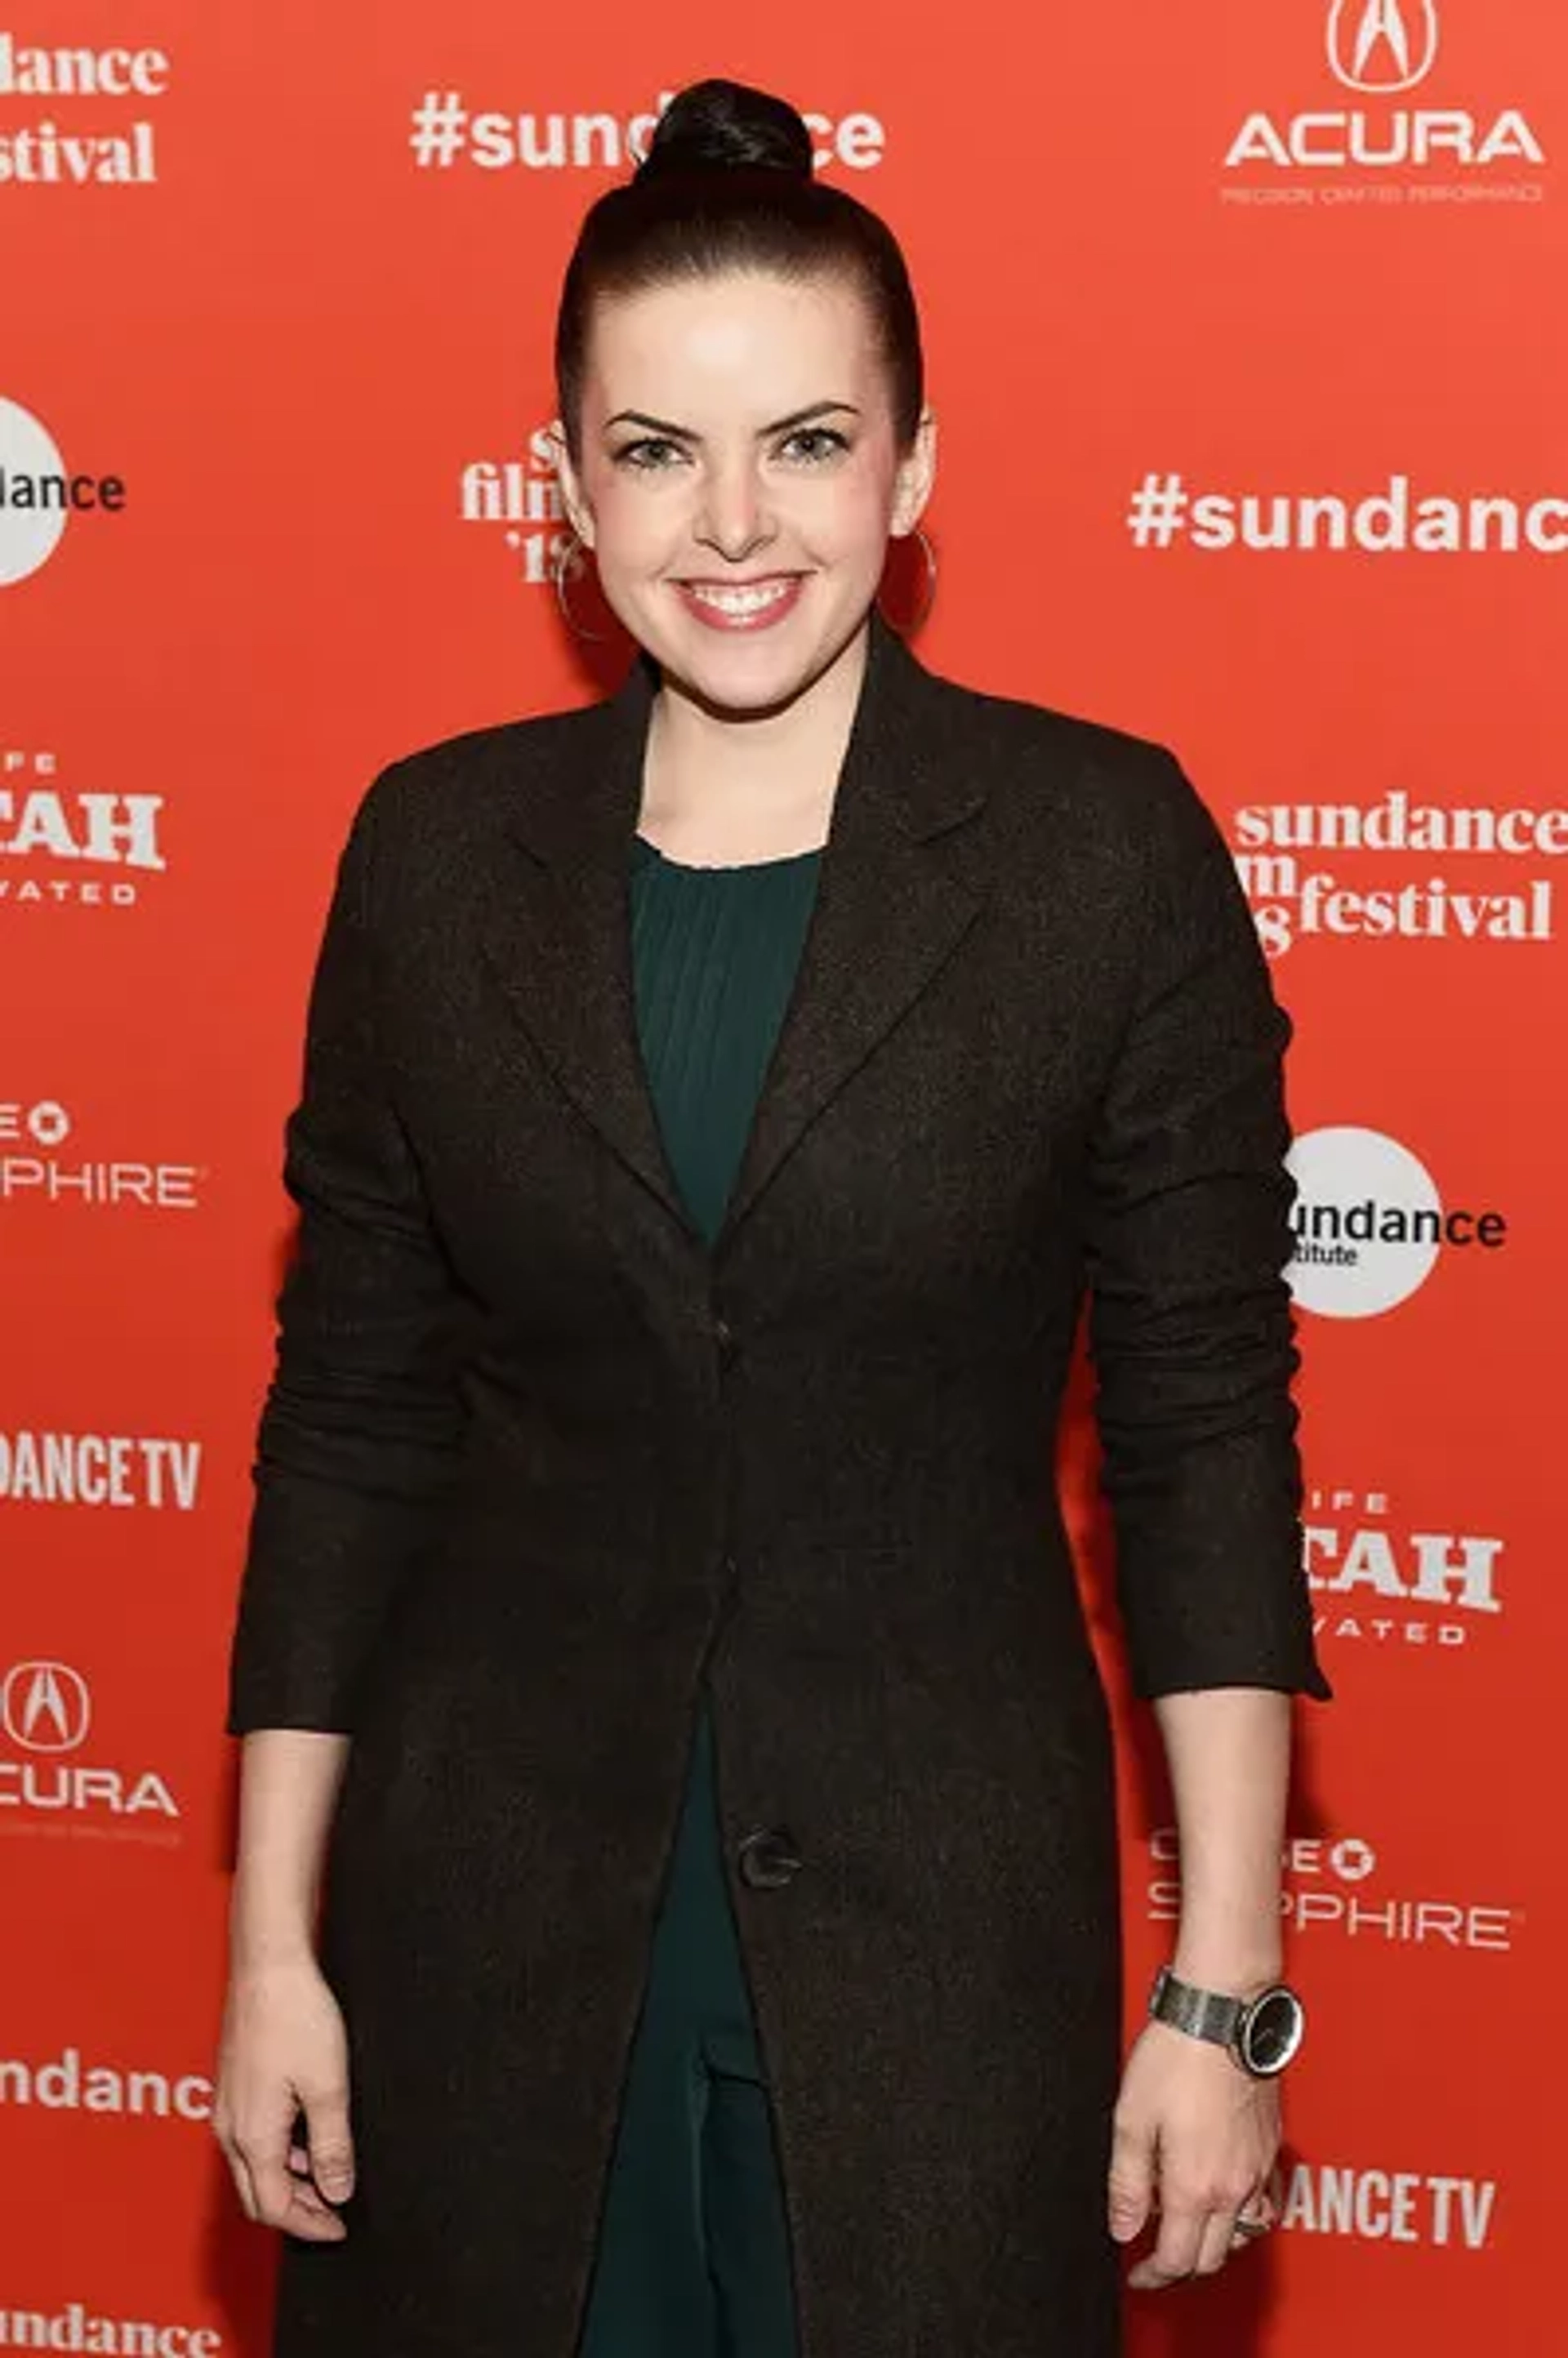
(753, 336)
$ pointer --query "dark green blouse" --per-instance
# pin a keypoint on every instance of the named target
(714, 956)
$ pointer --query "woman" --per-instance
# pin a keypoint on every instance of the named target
(658, 1628)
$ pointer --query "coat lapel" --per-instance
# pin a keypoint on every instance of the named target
(556, 930)
(895, 895)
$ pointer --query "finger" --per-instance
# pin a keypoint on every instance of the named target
(1255, 2218)
(241, 2175)
(274, 2188)
(267, 2149)
(311, 2218)
(1215, 2242)
(1176, 2253)
(331, 2146)
(258, 2138)
(1245, 2231)
(224, 2131)
(1256, 2214)
(293, 2206)
(1131, 2192)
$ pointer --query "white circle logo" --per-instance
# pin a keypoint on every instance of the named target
(1352, 1859)
(28, 536)
(1369, 1223)
(48, 1123)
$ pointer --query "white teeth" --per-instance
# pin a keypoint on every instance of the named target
(738, 601)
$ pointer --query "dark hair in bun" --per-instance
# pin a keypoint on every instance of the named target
(724, 127)
(727, 184)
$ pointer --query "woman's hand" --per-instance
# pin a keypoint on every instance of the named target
(284, 2051)
(1196, 2141)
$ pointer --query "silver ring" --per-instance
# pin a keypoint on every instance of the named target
(1251, 2227)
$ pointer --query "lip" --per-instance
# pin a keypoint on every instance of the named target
(759, 601)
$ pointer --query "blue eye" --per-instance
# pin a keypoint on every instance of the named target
(813, 444)
(654, 451)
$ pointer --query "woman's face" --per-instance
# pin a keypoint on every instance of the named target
(737, 477)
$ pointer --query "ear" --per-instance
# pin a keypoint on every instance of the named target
(579, 513)
(917, 474)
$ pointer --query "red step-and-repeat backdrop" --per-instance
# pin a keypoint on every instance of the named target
(1246, 332)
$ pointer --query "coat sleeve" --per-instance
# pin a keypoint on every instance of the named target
(1190, 1319)
(362, 1419)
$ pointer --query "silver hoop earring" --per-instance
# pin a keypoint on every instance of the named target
(922, 614)
(572, 553)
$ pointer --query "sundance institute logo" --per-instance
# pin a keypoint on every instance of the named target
(1369, 1224)
(39, 494)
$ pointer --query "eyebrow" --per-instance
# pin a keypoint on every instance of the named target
(685, 434)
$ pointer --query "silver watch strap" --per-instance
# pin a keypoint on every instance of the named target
(1201, 2014)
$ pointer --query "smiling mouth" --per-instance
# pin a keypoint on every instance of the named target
(740, 600)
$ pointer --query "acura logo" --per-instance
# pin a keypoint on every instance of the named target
(1382, 45)
(45, 1707)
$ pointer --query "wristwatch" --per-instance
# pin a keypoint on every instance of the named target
(1263, 2033)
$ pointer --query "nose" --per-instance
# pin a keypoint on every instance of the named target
(732, 517)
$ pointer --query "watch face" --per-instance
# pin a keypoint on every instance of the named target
(1272, 2031)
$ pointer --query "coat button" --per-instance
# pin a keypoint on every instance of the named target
(767, 1858)
(724, 1336)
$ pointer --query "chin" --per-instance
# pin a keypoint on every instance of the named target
(749, 673)
(745, 681)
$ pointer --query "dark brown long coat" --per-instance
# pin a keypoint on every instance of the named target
(534, 1460)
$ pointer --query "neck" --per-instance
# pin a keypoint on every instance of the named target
(719, 785)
